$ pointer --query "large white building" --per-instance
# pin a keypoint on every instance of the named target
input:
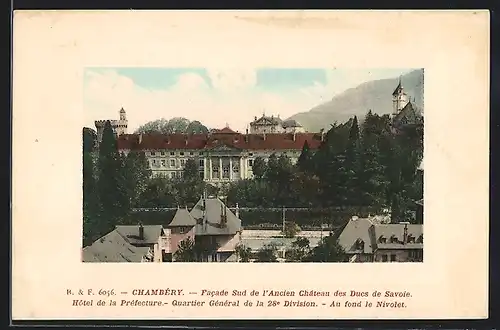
(222, 155)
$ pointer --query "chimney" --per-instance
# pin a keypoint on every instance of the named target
(294, 137)
(247, 131)
(141, 232)
(237, 211)
(140, 138)
(405, 231)
(322, 133)
(264, 136)
(255, 118)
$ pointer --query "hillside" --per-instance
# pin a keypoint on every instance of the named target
(375, 95)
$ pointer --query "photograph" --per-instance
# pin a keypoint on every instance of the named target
(253, 165)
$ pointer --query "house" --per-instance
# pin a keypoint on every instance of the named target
(181, 227)
(113, 247)
(154, 237)
(217, 230)
(366, 240)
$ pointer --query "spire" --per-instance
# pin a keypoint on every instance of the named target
(398, 88)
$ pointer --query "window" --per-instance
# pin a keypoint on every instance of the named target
(250, 162)
(182, 153)
(173, 175)
(202, 175)
(172, 163)
(152, 153)
(393, 257)
(154, 162)
(183, 162)
(172, 153)
(384, 258)
(162, 153)
(214, 257)
(250, 154)
(201, 153)
(182, 230)
(202, 162)
(163, 162)
(191, 153)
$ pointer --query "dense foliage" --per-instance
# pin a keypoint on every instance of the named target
(174, 125)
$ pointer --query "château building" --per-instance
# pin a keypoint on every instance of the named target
(266, 124)
(119, 126)
(222, 155)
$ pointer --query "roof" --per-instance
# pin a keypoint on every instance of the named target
(213, 210)
(398, 89)
(113, 247)
(291, 123)
(354, 230)
(152, 234)
(225, 130)
(369, 232)
(266, 120)
(182, 218)
(122, 110)
(396, 230)
(408, 115)
(277, 141)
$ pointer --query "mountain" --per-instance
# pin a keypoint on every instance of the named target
(375, 95)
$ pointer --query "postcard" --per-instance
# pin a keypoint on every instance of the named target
(250, 164)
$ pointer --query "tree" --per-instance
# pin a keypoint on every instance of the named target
(305, 158)
(91, 207)
(267, 253)
(259, 167)
(89, 139)
(299, 250)
(186, 251)
(328, 250)
(291, 229)
(244, 253)
(111, 182)
(137, 175)
(196, 127)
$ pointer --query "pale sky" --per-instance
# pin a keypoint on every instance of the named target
(215, 97)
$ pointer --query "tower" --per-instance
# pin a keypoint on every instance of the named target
(399, 98)
(121, 126)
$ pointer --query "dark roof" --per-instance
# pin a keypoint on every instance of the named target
(209, 222)
(152, 234)
(113, 247)
(396, 230)
(369, 232)
(409, 115)
(182, 218)
(225, 130)
(278, 141)
(266, 120)
(398, 88)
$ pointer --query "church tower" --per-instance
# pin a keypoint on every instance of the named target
(399, 99)
(121, 127)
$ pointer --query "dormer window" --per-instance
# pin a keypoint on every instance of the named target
(420, 238)
(410, 239)
(382, 239)
(360, 244)
(394, 239)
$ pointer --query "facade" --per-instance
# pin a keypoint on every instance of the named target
(218, 230)
(272, 124)
(129, 244)
(222, 156)
(181, 227)
(366, 240)
(119, 126)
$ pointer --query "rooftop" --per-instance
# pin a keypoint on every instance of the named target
(113, 247)
(208, 214)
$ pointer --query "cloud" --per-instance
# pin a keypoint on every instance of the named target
(231, 97)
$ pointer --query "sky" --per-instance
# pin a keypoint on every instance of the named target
(216, 97)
